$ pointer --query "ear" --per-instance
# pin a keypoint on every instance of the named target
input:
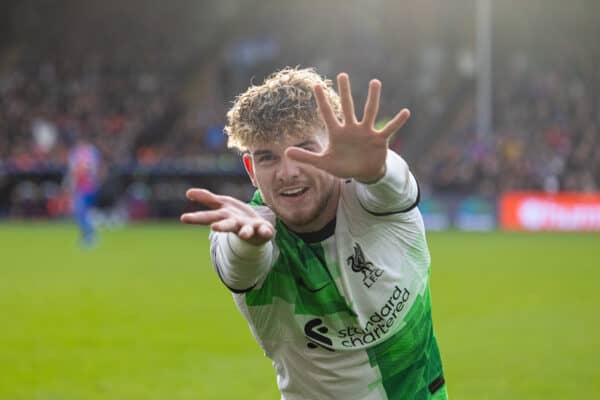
(247, 159)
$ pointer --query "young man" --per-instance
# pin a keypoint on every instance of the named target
(329, 263)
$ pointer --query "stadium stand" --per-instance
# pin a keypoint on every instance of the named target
(150, 89)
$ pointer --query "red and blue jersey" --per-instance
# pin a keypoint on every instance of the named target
(84, 168)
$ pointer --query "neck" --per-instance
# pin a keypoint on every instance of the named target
(317, 236)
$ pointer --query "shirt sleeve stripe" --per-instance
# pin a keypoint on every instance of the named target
(383, 214)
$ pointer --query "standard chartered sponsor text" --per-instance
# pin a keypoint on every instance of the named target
(379, 322)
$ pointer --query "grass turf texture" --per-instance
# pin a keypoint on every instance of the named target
(143, 316)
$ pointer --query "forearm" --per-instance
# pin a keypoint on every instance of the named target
(396, 191)
(239, 264)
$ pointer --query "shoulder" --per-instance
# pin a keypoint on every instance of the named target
(355, 214)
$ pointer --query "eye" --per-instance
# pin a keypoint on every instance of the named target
(263, 158)
(309, 147)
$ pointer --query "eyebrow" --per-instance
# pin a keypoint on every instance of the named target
(261, 152)
(302, 144)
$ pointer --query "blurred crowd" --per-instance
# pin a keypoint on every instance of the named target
(109, 72)
(545, 124)
(45, 106)
(152, 97)
(546, 134)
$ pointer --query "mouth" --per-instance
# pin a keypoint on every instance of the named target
(294, 192)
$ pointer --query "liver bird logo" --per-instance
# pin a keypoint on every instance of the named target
(358, 262)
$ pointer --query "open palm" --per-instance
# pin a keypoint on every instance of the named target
(227, 214)
(356, 149)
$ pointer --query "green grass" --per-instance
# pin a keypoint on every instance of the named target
(143, 316)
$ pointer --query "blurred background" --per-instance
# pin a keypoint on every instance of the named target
(504, 96)
(504, 137)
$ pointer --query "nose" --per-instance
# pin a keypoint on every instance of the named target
(288, 169)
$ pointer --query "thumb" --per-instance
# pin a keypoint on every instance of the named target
(304, 156)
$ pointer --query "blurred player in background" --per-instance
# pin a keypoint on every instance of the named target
(82, 180)
(329, 264)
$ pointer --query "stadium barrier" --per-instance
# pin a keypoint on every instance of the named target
(531, 211)
(467, 213)
(138, 193)
(159, 193)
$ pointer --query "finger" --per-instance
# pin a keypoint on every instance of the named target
(265, 231)
(212, 200)
(325, 109)
(205, 197)
(372, 104)
(246, 232)
(346, 98)
(226, 225)
(305, 156)
(396, 123)
(203, 217)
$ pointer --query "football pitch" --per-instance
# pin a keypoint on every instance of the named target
(143, 316)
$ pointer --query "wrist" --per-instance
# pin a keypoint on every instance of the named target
(245, 249)
(374, 178)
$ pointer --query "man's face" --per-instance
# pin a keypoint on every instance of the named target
(302, 196)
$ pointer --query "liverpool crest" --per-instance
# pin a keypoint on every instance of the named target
(358, 263)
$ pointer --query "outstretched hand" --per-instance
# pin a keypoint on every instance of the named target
(356, 149)
(228, 214)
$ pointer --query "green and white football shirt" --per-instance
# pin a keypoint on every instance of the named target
(344, 313)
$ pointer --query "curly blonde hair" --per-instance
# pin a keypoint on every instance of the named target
(283, 105)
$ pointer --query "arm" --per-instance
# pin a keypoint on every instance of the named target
(241, 247)
(239, 264)
(397, 191)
